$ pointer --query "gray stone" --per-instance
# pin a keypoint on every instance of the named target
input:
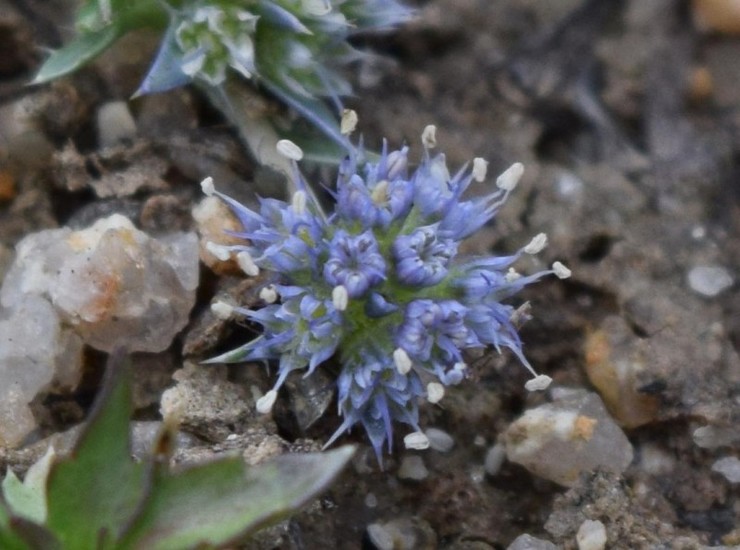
(528, 542)
(573, 434)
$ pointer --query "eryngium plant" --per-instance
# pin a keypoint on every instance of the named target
(379, 282)
(292, 47)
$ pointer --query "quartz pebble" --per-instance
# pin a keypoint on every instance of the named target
(36, 353)
(591, 535)
(494, 459)
(528, 542)
(111, 282)
(709, 280)
(440, 440)
(413, 468)
(729, 467)
(115, 124)
(573, 434)
(104, 286)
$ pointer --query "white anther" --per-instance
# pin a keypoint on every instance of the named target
(512, 275)
(265, 403)
(379, 194)
(560, 271)
(460, 366)
(222, 310)
(510, 178)
(219, 251)
(269, 294)
(417, 441)
(246, 263)
(402, 361)
(538, 383)
(435, 392)
(208, 187)
(348, 122)
(299, 202)
(480, 169)
(536, 245)
(316, 7)
(429, 137)
(289, 150)
(339, 297)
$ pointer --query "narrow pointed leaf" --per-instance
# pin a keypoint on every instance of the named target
(95, 490)
(77, 53)
(224, 501)
(165, 73)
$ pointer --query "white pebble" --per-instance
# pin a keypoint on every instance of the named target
(591, 535)
(709, 280)
(381, 537)
(494, 459)
(412, 467)
(439, 440)
(729, 467)
(115, 124)
(371, 501)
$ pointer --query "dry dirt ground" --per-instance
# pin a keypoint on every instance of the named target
(627, 117)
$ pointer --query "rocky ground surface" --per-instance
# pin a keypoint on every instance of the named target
(627, 117)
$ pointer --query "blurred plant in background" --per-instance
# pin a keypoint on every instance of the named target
(293, 48)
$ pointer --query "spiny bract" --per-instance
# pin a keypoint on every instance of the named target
(378, 282)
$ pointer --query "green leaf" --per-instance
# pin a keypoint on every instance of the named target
(94, 491)
(77, 53)
(223, 502)
(28, 499)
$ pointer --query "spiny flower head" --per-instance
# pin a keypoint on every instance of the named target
(293, 46)
(378, 283)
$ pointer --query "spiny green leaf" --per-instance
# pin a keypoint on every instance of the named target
(96, 489)
(77, 53)
(223, 501)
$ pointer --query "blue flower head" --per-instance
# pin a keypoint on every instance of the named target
(378, 283)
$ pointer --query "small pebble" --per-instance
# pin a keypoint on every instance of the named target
(711, 437)
(371, 501)
(115, 124)
(709, 280)
(494, 459)
(528, 542)
(440, 440)
(729, 467)
(591, 535)
(412, 467)
(380, 536)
